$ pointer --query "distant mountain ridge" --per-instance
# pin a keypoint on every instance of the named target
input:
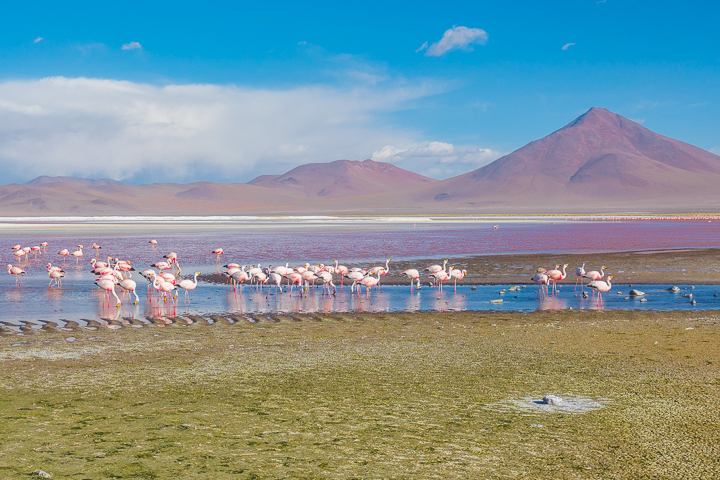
(600, 162)
(88, 182)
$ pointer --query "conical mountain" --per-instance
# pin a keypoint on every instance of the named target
(600, 158)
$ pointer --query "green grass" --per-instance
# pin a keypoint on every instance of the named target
(359, 396)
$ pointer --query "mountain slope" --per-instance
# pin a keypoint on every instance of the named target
(343, 178)
(599, 157)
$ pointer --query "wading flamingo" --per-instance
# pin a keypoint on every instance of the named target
(579, 272)
(218, 252)
(109, 286)
(456, 275)
(413, 275)
(370, 282)
(129, 285)
(542, 280)
(188, 285)
(77, 254)
(601, 286)
(556, 275)
(17, 271)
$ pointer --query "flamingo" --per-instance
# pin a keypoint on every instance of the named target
(97, 249)
(542, 280)
(17, 271)
(594, 275)
(16, 247)
(327, 279)
(382, 271)
(162, 286)
(153, 242)
(341, 270)
(601, 287)
(218, 252)
(556, 275)
(355, 276)
(77, 254)
(162, 265)
(276, 279)
(44, 245)
(309, 276)
(18, 254)
(412, 274)
(188, 285)
(282, 271)
(130, 285)
(440, 276)
(370, 282)
(109, 286)
(433, 269)
(293, 279)
(456, 275)
(55, 276)
(579, 272)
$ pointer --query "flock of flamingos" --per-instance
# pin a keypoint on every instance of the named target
(166, 281)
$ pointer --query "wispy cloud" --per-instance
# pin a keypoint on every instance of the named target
(38, 40)
(715, 150)
(455, 38)
(437, 159)
(567, 45)
(421, 47)
(132, 46)
(638, 120)
(127, 130)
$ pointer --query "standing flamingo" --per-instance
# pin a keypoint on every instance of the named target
(556, 275)
(413, 275)
(327, 279)
(542, 280)
(456, 275)
(370, 282)
(601, 287)
(341, 270)
(109, 286)
(218, 252)
(188, 285)
(579, 272)
(77, 254)
(17, 271)
(129, 285)
(275, 279)
(153, 242)
(594, 275)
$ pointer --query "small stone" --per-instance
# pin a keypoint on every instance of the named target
(643, 299)
(585, 295)
(636, 293)
(674, 289)
(473, 288)
(43, 474)
(499, 300)
(70, 339)
(693, 302)
(552, 400)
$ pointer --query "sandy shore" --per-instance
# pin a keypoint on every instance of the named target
(685, 266)
(451, 395)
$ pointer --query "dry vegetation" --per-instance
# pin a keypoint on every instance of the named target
(430, 395)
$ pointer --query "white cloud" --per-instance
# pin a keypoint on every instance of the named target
(125, 130)
(421, 47)
(715, 150)
(567, 45)
(638, 120)
(38, 40)
(132, 46)
(437, 159)
(456, 38)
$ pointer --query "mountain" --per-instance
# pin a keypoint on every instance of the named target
(599, 159)
(343, 178)
(599, 163)
(88, 182)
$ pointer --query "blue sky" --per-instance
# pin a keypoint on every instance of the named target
(181, 91)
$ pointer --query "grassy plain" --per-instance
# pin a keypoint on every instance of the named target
(402, 395)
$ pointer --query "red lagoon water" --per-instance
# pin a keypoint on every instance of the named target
(250, 245)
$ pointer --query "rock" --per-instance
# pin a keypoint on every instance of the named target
(552, 400)
(499, 300)
(70, 339)
(687, 295)
(473, 288)
(693, 302)
(636, 293)
(43, 474)
(585, 295)
(674, 289)
(643, 299)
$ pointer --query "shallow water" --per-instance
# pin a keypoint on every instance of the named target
(352, 241)
(80, 299)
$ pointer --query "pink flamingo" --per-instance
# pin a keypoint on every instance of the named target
(188, 285)
(153, 242)
(17, 271)
(601, 287)
(413, 275)
(594, 275)
(64, 252)
(579, 272)
(456, 275)
(341, 270)
(542, 280)
(218, 252)
(370, 282)
(275, 279)
(108, 286)
(556, 275)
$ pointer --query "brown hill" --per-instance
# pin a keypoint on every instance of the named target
(343, 178)
(600, 159)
